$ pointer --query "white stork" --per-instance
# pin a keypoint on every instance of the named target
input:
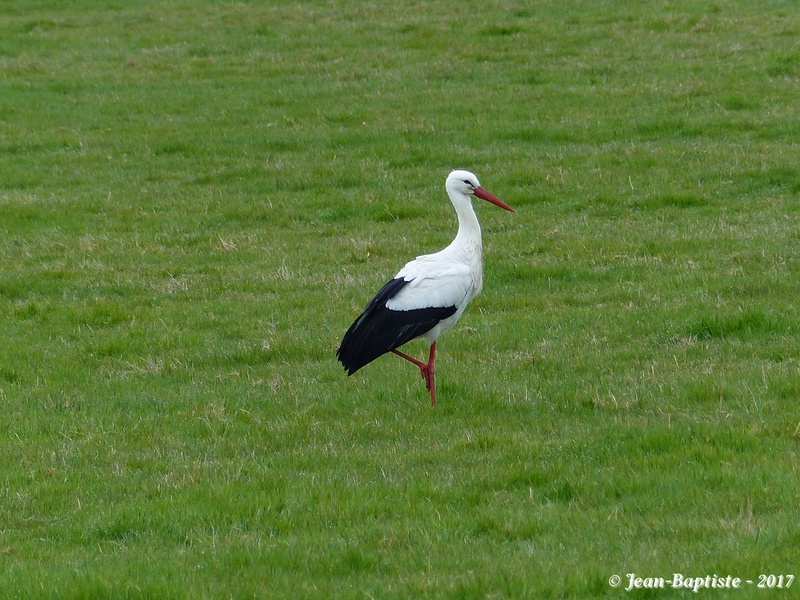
(428, 295)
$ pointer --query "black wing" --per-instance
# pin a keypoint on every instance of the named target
(379, 330)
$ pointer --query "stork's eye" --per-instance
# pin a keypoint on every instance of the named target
(468, 182)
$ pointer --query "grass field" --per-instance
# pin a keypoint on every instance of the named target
(197, 198)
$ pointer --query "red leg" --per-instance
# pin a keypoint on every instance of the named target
(431, 372)
(426, 370)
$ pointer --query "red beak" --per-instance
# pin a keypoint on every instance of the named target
(484, 194)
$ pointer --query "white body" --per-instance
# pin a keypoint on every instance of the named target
(450, 277)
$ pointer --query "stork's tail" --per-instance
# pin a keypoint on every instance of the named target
(351, 350)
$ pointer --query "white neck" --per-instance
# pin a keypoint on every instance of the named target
(469, 230)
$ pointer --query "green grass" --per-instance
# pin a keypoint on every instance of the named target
(196, 199)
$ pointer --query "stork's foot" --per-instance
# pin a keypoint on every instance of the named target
(427, 375)
(427, 370)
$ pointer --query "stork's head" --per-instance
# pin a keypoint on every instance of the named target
(466, 183)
